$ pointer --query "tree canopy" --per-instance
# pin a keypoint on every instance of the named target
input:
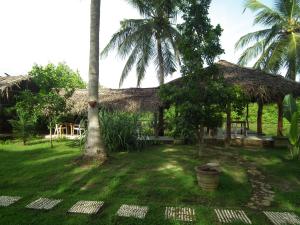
(150, 39)
(277, 46)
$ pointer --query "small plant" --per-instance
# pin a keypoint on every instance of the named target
(26, 117)
(292, 114)
(119, 130)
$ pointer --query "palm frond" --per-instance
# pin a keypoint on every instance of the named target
(251, 53)
(265, 15)
(128, 66)
(252, 37)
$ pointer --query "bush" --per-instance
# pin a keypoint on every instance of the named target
(119, 130)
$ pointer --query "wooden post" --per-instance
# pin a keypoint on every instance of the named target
(161, 122)
(259, 117)
(155, 125)
(247, 118)
(228, 124)
(280, 118)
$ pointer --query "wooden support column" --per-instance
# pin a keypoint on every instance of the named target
(228, 124)
(155, 117)
(161, 122)
(280, 117)
(259, 117)
(247, 118)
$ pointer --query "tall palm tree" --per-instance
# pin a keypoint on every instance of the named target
(94, 145)
(277, 47)
(150, 39)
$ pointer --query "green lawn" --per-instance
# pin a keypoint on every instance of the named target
(159, 176)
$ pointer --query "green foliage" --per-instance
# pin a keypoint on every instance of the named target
(276, 47)
(202, 96)
(200, 41)
(26, 116)
(201, 100)
(119, 130)
(51, 77)
(292, 114)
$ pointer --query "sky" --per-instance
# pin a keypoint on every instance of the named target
(44, 31)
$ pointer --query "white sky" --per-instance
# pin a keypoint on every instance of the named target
(43, 31)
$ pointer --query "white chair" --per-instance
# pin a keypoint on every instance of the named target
(60, 129)
(79, 130)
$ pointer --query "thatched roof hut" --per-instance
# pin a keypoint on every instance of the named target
(9, 85)
(132, 100)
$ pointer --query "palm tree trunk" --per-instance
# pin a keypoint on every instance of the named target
(161, 77)
(94, 145)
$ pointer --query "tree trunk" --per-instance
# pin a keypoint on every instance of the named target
(161, 77)
(228, 124)
(94, 145)
(280, 118)
(259, 117)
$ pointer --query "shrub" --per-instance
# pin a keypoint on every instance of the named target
(119, 130)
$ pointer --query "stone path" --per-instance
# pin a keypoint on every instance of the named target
(175, 213)
(262, 194)
(44, 203)
(181, 214)
(8, 200)
(230, 216)
(281, 218)
(86, 207)
(135, 211)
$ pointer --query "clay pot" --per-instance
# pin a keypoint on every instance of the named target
(208, 177)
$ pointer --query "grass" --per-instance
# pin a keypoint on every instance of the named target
(159, 176)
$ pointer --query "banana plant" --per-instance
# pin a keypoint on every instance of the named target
(292, 114)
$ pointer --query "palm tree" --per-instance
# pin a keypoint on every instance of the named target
(277, 47)
(152, 38)
(94, 145)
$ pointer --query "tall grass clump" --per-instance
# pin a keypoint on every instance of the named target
(120, 130)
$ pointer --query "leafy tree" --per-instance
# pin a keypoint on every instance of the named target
(94, 144)
(202, 96)
(277, 46)
(200, 100)
(51, 77)
(152, 38)
(52, 106)
(26, 116)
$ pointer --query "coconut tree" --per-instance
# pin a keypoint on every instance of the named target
(150, 39)
(94, 145)
(277, 46)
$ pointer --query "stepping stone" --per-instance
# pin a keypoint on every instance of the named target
(230, 216)
(181, 214)
(135, 211)
(86, 207)
(8, 200)
(44, 203)
(279, 218)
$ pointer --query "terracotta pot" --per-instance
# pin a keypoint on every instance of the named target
(208, 177)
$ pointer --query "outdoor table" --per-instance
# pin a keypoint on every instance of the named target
(243, 126)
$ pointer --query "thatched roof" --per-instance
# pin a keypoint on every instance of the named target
(132, 100)
(12, 83)
(258, 84)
